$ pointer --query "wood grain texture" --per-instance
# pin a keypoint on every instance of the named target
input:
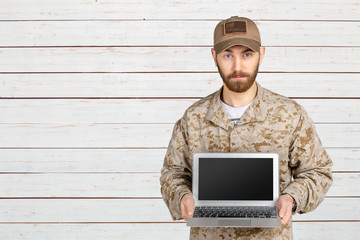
(174, 85)
(119, 185)
(164, 231)
(170, 59)
(77, 135)
(175, 9)
(138, 210)
(161, 33)
(143, 110)
(112, 77)
(85, 160)
(120, 160)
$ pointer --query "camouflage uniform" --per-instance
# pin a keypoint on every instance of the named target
(272, 123)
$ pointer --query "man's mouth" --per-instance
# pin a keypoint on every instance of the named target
(237, 76)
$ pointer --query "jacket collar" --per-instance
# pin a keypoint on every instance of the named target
(255, 113)
(217, 114)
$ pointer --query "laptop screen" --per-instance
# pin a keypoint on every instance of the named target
(235, 179)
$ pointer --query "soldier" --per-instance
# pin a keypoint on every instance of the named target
(244, 117)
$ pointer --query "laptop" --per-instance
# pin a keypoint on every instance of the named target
(235, 190)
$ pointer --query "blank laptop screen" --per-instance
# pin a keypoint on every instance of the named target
(236, 179)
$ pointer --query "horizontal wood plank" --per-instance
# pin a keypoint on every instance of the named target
(87, 160)
(119, 160)
(138, 210)
(170, 85)
(327, 230)
(161, 33)
(80, 185)
(76, 135)
(170, 59)
(119, 185)
(112, 9)
(327, 211)
(85, 135)
(346, 159)
(142, 111)
(343, 185)
(123, 231)
(150, 231)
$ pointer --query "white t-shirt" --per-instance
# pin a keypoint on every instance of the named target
(235, 113)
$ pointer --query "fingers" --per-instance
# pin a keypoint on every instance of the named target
(284, 205)
(187, 206)
(285, 214)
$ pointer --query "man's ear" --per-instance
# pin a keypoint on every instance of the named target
(262, 54)
(214, 56)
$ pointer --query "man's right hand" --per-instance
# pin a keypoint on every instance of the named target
(187, 206)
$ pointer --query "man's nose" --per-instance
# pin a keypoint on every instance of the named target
(238, 64)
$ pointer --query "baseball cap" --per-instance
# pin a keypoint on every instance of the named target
(236, 31)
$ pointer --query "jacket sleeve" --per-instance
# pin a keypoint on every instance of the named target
(176, 174)
(311, 167)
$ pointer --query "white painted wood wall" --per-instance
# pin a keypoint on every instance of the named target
(90, 91)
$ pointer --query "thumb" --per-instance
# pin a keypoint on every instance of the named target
(190, 208)
(187, 206)
(282, 211)
(281, 214)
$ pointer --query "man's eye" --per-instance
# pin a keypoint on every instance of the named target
(247, 55)
(227, 56)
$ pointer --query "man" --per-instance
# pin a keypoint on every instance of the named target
(244, 117)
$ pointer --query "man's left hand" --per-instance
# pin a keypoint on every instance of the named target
(285, 205)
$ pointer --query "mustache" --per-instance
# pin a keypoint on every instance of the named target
(238, 74)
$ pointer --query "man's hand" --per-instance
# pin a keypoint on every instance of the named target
(284, 205)
(187, 206)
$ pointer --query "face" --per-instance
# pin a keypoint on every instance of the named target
(238, 67)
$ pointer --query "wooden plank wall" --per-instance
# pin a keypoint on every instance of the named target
(90, 91)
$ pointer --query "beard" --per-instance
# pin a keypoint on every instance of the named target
(239, 86)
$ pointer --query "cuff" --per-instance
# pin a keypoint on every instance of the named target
(294, 207)
(296, 194)
(176, 213)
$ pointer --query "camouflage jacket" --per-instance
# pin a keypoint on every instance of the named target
(272, 123)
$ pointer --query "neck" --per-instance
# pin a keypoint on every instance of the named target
(235, 99)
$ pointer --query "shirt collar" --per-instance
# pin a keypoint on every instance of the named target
(218, 115)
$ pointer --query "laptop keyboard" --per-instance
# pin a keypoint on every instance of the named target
(235, 212)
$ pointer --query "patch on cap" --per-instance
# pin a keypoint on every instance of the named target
(235, 27)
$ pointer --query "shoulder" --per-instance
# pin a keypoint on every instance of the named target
(280, 102)
(278, 105)
(199, 109)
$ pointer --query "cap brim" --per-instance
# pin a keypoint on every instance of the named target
(250, 43)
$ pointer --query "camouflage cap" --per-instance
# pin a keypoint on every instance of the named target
(236, 31)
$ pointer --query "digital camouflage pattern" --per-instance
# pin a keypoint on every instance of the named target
(272, 123)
